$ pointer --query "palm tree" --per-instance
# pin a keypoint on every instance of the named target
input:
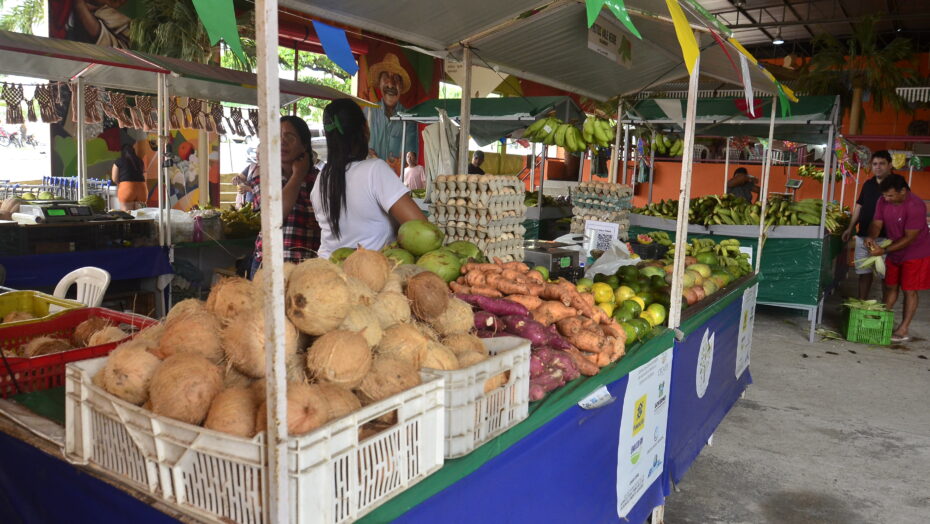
(171, 28)
(855, 66)
(23, 16)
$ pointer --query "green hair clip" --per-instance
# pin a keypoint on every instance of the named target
(335, 124)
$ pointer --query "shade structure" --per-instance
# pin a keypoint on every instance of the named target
(543, 41)
(808, 121)
(495, 118)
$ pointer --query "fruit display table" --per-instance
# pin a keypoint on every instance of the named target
(616, 440)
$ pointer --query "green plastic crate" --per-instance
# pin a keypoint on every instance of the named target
(869, 327)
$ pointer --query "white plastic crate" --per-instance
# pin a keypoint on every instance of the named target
(334, 475)
(474, 417)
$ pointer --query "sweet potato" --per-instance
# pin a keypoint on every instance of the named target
(497, 306)
(556, 340)
(536, 366)
(487, 321)
(570, 327)
(537, 392)
(484, 333)
(611, 328)
(526, 327)
(530, 302)
(589, 341)
(585, 366)
(475, 278)
(536, 276)
(552, 311)
(481, 268)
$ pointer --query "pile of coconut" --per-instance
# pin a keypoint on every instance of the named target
(355, 334)
(94, 331)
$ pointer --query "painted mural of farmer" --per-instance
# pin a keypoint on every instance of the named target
(390, 80)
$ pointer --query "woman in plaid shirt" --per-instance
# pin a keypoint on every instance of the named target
(301, 230)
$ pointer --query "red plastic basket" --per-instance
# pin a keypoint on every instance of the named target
(48, 371)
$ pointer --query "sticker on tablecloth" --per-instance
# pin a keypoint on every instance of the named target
(747, 318)
(705, 362)
(599, 398)
(641, 451)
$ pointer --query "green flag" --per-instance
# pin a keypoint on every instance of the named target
(617, 7)
(219, 19)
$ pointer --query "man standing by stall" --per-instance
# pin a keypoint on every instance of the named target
(903, 215)
(742, 184)
(862, 216)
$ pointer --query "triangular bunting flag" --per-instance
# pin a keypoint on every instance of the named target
(689, 47)
(336, 46)
(747, 84)
(618, 8)
(219, 19)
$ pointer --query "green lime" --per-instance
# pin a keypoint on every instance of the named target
(544, 271)
(631, 332)
(613, 281)
(634, 307)
(622, 315)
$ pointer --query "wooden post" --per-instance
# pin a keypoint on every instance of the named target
(465, 115)
(615, 154)
(726, 167)
(764, 189)
(81, 140)
(277, 507)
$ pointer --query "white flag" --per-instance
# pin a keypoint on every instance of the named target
(747, 84)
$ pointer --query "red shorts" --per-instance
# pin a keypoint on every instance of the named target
(912, 275)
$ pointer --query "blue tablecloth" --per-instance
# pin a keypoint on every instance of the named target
(36, 271)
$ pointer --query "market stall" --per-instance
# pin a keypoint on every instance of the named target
(797, 266)
(629, 404)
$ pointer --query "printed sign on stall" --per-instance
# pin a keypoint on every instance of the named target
(747, 318)
(641, 452)
(606, 38)
(705, 363)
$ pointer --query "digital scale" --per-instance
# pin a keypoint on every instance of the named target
(555, 256)
(54, 212)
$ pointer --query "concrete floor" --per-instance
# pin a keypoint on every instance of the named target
(830, 432)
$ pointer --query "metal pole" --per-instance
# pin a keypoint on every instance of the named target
(164, 132)
(203, 161)
(652, 166)
(726, 167)
(626, 150)
(684, 200)
(764, 190)
(403, 147)
(533, 167)
(465, 115)
(159, 161)
(581, 165)
(855, 189)
(542, 177)
(81, 140)
(615, 154)
(910, 173)
(827, 171)
(296, 64)
(266, 19)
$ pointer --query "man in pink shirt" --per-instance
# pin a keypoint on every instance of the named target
(904, 218)
(414, 174)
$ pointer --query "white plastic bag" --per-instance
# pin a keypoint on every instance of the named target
(613, 259)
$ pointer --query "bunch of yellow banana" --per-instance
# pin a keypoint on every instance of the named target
(598, 132)
(898, 160)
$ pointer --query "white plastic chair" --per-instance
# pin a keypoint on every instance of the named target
(92, 284)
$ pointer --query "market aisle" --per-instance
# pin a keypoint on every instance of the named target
(831, 432)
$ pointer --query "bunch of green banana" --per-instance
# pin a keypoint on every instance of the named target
(728, 248)
(598, 132)
(663, 209)
(665, 145)
(661, 237)
(553, 132)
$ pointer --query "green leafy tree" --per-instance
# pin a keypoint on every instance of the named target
(23, 16)
(171, 28)
(859, 64)
(314, 68)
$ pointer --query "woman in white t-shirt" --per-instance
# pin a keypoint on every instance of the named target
(357, 201)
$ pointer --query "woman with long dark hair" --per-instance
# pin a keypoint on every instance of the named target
(301, 231)
(357, 200)
(128, 174)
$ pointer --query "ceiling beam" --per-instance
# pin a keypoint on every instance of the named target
(757, 25)
(842, 7)
(749, 17)
(798, 16)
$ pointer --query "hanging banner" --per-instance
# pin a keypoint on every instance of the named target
(643, 427)
(746, 322)
(689, 47)
(747, 84)
(336, 46)
(606, 39)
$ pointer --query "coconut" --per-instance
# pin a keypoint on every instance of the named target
(457, 318)
(470, 358)
(233, 411)
(150, 336)
(463, 342)
(258, 391)
(371, 267)
(128, 372)
(388, 376)
(339, 357)
(393, 283)
(391, 308)
(231, 296)
(429, 296)
(44, 346)
(86, 329)
(439, 357)
(258, 277)
(295, 368)
(107, 335)
(233, 378)
(182, 308)
(317, 298)
(307, 409)
(359, 292)
(362, 320)
(496, 381)
(243, 340)
(339, 400)
(403, 342)
(407, 271)
(196, 332)
(183, 387)
(17, 316)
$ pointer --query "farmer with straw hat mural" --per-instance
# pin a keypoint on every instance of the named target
(391, 80)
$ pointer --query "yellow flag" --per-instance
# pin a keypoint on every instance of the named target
(689, 47)
(789, 93)
(743, 50)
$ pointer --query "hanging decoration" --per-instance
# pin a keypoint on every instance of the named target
(336, 46)
(219, 19)
(617, 7)
(689, 47)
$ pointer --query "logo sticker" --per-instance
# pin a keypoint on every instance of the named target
(705, 362)
(639, 415)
